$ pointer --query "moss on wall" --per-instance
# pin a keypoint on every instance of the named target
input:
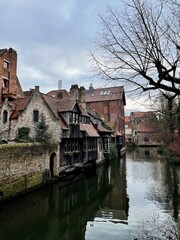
(23, 167)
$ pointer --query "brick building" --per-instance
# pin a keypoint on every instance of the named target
(109, 104)
(142, 128)
(9, 84)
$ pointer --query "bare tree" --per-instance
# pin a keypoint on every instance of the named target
(140, 46)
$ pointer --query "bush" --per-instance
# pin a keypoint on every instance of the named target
(170, 155)
(23, 134)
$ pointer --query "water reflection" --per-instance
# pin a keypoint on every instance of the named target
(151, 188)
(136, 197)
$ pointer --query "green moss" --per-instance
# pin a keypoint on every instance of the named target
(34, 180)
(13, 180)
(113, 151)
(13, 187)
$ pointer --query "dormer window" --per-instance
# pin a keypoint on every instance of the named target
(36, 116)
(6, 64)
(73, 117)
(85, 119)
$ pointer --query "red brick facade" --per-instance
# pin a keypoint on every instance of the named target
(9, 84)
(109, 104)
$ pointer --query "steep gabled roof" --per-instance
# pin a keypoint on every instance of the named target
(105, 94)
(52, 103)
(3, 50)
(18, 105)
(65, 105)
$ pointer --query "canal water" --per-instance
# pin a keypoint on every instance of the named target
(135, 197)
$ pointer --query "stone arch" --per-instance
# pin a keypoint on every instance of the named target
(53, 165)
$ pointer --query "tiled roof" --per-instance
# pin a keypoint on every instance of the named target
(140, 114)
(63, 124)
(61, 94)
(2, 51)
(60, 105)
(18, 105)
(145, 128)
(93, 113)
(53, 103)
(83, 111)
(28, 93)
(103, 129)
(104, 94)
(89, 129)
(66, 105)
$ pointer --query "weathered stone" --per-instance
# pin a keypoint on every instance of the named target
(23, 167)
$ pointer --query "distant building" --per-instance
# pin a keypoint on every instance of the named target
(142, 128)
(109, 104)
(9, 84)
(128, 129)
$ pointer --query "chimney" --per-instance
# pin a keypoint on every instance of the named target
(59, 84)
(91, 89)
(74, 92)
(37, 88)
(82, 97)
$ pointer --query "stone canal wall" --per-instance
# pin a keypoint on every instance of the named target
(23, 167)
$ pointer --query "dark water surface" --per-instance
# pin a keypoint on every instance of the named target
(135, 197)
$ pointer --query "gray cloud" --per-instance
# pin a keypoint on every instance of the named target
(52, 38)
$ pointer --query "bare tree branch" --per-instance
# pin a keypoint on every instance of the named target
(140, 46)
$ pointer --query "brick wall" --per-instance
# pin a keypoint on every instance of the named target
(9, 73)
(111, 111)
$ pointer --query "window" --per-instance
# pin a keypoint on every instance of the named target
(5, 116)
(105, 143)
(85, 119)
(5, 82)
(6, 64)
(71, 145)
(36, 116)
(73, 117)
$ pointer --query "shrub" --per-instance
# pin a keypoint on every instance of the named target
(23, 134)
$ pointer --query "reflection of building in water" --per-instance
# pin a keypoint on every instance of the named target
(145, 153)
(57, 212)
(117, 198)
(78, 202)
(115, 205)
(111, 215)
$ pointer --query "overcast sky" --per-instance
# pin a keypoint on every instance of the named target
(52, 39)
